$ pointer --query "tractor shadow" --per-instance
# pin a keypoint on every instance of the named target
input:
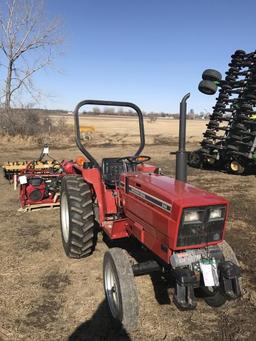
(100, 327)
(163, 284)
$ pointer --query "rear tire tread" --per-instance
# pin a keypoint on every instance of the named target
(82, 231)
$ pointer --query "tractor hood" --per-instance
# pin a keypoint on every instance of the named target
(171, 191)
(155, 206)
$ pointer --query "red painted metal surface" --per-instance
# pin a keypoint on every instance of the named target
(116, 229)
(68, 166)
(174, 191)
(105, 198)
(147, 168)
(27, 189)
(154, 226)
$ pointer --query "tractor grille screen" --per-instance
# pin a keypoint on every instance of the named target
(202, 230)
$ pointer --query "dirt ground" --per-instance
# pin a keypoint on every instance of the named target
(46, 296)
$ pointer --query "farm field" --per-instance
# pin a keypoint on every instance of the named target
(125, 130)
(47, 296)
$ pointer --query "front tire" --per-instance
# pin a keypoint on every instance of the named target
(214, 297)
(120, 288)
(78, 226)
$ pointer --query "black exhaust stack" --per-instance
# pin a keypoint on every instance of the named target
(181, 154)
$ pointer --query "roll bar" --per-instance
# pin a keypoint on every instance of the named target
(106, 103)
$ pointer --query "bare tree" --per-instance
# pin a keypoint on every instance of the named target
(27, 43)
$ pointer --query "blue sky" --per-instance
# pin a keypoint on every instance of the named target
(150, 52)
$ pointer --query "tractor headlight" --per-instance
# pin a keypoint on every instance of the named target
(201, 225)
(217, 213)
(191, 216)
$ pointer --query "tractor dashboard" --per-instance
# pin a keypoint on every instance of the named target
(111, 170)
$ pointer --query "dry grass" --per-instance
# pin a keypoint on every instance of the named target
(129, 125)
(125, 130)
(57, 140)
(108, 131)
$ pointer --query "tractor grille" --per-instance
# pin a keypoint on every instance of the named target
(201, 231)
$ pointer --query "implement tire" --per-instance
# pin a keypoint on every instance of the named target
(78, 225)
(212, 75)
(195, 159)
(207, 87)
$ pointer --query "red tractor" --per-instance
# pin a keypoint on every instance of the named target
(179, 228)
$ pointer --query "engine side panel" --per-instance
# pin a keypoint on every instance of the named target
(153, 205)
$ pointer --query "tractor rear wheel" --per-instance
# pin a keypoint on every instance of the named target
(78, 226)
(214, 296)
(120, 289)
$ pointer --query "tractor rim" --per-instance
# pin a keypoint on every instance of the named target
(64, 217)
(112, 290)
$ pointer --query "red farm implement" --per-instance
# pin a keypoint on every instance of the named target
(39, 180)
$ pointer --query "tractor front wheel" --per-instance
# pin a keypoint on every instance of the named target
(78, 226)
(214, 296)
(120, 289)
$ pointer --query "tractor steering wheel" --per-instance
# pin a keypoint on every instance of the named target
(135, 159)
